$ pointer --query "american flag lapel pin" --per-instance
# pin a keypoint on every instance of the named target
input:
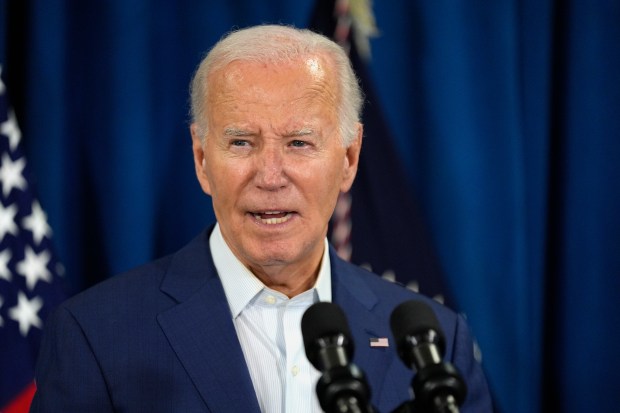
(379, 342)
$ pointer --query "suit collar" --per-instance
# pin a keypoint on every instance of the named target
(347, 286)
(201, 332)
(360, 304)
(190, 268)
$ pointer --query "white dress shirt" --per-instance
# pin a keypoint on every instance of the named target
(268, 325)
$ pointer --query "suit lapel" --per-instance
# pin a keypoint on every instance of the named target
(201, 332)
(358, 301)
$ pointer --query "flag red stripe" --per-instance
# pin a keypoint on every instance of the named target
(21, 403)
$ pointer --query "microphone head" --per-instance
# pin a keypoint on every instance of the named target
(415, 319)
(324, 320)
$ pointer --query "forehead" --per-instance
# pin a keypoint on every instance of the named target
(305, 77)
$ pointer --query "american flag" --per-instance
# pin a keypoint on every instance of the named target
(379, 342)
(378, 225)
(30, 285)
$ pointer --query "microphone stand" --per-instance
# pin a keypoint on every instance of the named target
(344, 389)
(438, 388)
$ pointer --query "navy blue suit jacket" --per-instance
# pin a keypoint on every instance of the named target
(161, 339)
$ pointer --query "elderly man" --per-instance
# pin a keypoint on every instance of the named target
(215, 327)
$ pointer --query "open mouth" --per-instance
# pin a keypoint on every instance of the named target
(272, 217)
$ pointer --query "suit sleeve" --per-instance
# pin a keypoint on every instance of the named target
(68, 376)
(464, 358)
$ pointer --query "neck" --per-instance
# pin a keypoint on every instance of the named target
(289, 281)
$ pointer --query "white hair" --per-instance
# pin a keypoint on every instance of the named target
(273, 44)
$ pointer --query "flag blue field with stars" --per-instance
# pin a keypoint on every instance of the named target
(30, 285)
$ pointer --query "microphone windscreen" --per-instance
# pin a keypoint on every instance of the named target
(413, 318)
(323, 320)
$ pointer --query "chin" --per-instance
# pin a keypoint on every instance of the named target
(280, 252)
(268, 258)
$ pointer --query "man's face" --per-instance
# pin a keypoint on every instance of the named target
(273, 161)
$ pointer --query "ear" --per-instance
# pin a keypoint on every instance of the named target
(200, 163)
(351, 160)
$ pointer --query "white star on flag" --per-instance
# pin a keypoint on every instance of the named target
(7, 220)
(10, 128)
(11, 174)
(5, 272)
(36, 222)
(34, 267)
(26, 313)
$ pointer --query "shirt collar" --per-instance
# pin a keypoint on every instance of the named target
(241, 286)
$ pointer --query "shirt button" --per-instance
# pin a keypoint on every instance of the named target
(295, 370)
(270, 299)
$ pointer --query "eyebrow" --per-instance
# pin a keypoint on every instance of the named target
(243, 132)
(301, 132)
(236, 132)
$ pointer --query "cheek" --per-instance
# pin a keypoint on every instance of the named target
(226, 179)
(326, 182)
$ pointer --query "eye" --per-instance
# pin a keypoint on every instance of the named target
(298, 144)
(239, 142)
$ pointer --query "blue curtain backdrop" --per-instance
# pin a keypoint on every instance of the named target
(505, 115)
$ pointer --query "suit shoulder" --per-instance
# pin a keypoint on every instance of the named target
(392, 293)
(137, 284)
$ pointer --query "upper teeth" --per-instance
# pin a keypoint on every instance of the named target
(275, 220)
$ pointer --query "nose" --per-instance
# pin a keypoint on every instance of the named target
(270, 173)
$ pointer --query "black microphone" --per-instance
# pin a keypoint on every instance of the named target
(342, 387)
(438, 386)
